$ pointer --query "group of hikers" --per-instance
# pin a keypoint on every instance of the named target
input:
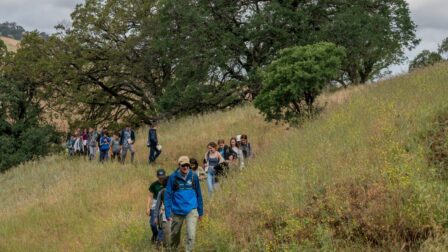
(172, 199)
(110, 146)
(177, 198)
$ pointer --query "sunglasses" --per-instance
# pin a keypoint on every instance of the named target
(185, 165)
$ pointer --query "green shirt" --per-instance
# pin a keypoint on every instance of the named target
(155, 188)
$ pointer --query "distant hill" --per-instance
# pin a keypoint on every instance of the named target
(11, 30)
(12, 44)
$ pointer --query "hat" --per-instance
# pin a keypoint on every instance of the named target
(161, 172)
(238, 138)
(184, 160)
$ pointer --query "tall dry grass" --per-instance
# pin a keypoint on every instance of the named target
(353, 178)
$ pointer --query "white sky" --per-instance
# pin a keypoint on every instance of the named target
(431, 16)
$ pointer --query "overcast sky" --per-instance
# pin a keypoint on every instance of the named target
(430, 16)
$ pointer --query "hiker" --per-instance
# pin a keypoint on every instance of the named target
(239, 157)
(77, 146)
(105, 142)
(212, 159)
(154, 190)
(183, 202)
(85, 136)
(127, 139)
(225, 151)
(198, 170)
(163, 226)
(153, 144)
(245, 147)
(115, 146)
(92, 142)
(70, 144)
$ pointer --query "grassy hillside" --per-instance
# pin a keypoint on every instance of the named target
(357, 177)
(11, 44)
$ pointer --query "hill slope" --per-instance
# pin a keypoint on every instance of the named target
(11, 44)
(356, 177)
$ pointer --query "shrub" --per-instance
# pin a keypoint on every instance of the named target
(293, 81)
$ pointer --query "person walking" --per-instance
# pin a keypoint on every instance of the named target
(85, 137)
(245, 147)
(198, 169)
(225, 151)
(105, 142)
(127, 140)
(115, 145)
(212, 159)
(92, 143)
(183, 203)
(239, 157)
(154, 190)
(153, 144)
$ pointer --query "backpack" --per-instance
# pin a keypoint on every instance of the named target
(177, 186)
(105, 143)
(222, 169)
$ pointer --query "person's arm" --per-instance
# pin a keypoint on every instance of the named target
(220, 158)
(132, 136)
(121, 138)
(206, 162)
(169, 198)
(149, 202)
(199, 197)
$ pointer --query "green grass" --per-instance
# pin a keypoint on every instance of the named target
(355, 178)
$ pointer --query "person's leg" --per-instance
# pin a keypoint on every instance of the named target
(90, 153)
(103, 155)
(176, 228)
(151, 154)
(157, 154)
(124, 152)
(152, 222)
(131, 148)
(166, 226)
(192, 220)
(210, 182)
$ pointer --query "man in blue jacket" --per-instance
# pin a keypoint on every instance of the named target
(183, 202)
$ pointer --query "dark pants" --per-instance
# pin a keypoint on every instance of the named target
(116, 155)
(152, 223)
(104, 155)
(153, 153)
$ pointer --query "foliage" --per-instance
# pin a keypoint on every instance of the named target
(21, 135)
(136, 61)
(374, 33)
(424, 59)
(292, 83)
(24, 134)
(443, 47)
(437, 142)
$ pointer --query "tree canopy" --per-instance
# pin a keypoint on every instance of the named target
(136, 61)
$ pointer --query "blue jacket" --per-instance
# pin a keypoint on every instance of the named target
(152, 138)
(183, 195)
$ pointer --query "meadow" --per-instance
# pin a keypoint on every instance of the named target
(357, 177)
